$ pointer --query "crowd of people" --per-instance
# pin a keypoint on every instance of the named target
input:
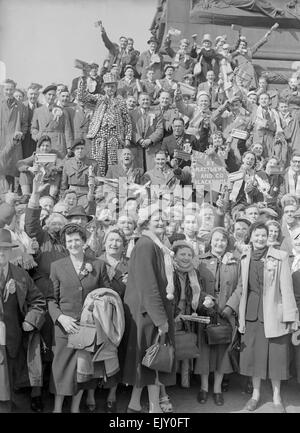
(108, 245)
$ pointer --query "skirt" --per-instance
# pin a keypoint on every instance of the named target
(264, 357)
(64, 368)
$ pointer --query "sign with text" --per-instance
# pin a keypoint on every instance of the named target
(208, 170)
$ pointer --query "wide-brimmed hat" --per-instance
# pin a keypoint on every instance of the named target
(5, 239)
(78, 211)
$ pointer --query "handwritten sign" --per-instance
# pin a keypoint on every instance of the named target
(208, 171)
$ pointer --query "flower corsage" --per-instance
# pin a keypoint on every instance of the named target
(88, 268)
(10, 288)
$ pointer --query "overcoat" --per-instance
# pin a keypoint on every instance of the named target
(279, 305)
(146, 308)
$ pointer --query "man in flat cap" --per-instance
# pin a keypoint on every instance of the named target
(53, 121)
(28, 143)
(152, 58)
(13, 126)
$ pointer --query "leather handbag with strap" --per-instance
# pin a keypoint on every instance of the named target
(219, 332)
(84, 339)
(186, 344)
(159, 356)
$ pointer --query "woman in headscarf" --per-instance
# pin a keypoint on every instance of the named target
(267, 313)
(219, 276)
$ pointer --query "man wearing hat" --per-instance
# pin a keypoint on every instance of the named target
(28, 168)
(129, 85)
(78, 171)
(53, 121)
(148, 85)
(94, 81)
(22, 309)
(110, 128)
(167, 84)
(28, 144)
(166, 110)
(182, 60)
(152, 58)
(13, 128)
(205, 56)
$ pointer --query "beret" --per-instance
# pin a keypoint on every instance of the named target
(78, 142)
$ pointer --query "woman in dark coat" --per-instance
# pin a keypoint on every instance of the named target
(219, 277)
(73, 278)
(148, 308)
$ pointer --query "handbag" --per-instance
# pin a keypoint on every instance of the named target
(234, 350)
(186, 344)
(84, 339)
(218, 333)
(159, 356)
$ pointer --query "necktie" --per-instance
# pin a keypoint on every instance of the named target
(9, 102)
(295, 180)
(79, 165)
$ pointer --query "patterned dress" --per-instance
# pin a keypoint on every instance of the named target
(109, 128)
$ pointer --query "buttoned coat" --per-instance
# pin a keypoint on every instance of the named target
(60, 132)
(279, 305)
(70, 289)
(153, 129)
(12, 120)
(146, 308)
(73, 175)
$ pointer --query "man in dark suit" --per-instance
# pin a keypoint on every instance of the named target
(22, 309)
(28, 143)
(179, 140)
(148, 133)
(151, 58)
(215, 91)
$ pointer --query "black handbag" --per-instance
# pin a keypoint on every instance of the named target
(234, 350)
(84, 339)
(186, 344)
(218, 333)
(159, 356)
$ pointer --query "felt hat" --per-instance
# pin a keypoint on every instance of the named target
(5, 239)
(78, 211)
(78, 142)
(94, 65)
(35, 86)
(49, 88)
(185, 40)
(109, 78)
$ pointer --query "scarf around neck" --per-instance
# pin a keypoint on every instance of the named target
(168, 261)
(195, 286)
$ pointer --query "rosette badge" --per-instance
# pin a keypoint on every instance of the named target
(10, 289)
